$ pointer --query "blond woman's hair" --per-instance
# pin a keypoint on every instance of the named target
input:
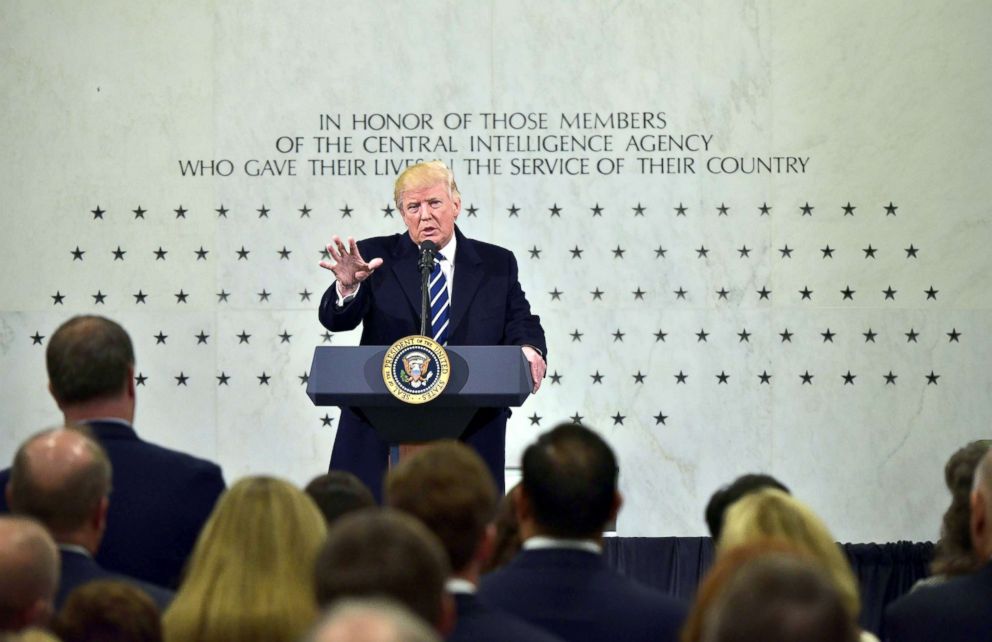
(772, 513)
(250, 577)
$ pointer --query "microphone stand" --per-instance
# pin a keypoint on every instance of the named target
(426, 265)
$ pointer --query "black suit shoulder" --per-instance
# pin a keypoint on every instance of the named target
(477, 621)
(957, 610)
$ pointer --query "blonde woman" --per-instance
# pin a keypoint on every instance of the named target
(770, 513)
(250, 577)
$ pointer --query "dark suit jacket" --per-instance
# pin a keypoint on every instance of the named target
(477, 622)
(488, 307)
(959, 610)
(575, 595)
(78, 569)
(159, 502)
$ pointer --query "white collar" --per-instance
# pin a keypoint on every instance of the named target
(449, 250)
(539, 542)
(75, 548)
(456, 585)
(106, 420)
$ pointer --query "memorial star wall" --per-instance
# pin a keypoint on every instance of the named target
(757, 234)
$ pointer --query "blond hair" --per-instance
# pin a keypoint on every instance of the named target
(770, 513)
(424, 175)
(250, 575)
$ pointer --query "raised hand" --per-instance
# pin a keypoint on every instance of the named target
(348, 266)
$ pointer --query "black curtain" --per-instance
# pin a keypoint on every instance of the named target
(676, 565)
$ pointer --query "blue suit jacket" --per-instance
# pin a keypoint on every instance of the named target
(575, 595)
(160, 500)
(477, 622)
(78, 569)
(959, 610)
(488, 307)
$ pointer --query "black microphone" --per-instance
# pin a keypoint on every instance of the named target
(428, 250)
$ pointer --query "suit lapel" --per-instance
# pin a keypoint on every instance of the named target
(404, 266)
(468, 277)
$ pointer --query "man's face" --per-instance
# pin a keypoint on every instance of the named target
(430, 213)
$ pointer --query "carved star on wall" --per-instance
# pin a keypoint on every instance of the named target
(764, 377)
(98, 212)
(681, 377)
(660, 252)
(764, 209)
(243, 337)
(139, 212)
(680, 293)
(160, 338)
(931, 293)
(304, 378)
(744, 336)
(305, 211)
(889, 293)
(618, 252)
(180, 213)
(472, 210)
(849, 209)
(555, 210)
(869, 251)
(912, 335)
(702, 252)
(660, 335)
(618, 336)
(77, 254)
(576, 252)
(243, 253)
(639, 377)
(763, 293)
(848, 293)
(849, 378)
(638, 294)
(263, 212)
(890, 378)
(555, 378)
(223, 378)
(201, 254)
(284, 337)
(911, 251)
(786, 251)
(597, 294)
(722, 377)
(535, 419)
(576, 335)
(597, 210)
(99, 297)
(222, 211)
(596, 377)
(387, 211)
(284, 253)
(345, 211)
(660, 418)
(181, 296)
(807, 378)
(513, 210)
(744, 251)
(202, 337)
(806, 293)
(721, 210)
(181, 379)
(870, 335)
(119, 254)
(890, 209)
(618, 419)
(263, 379)
(722, 293)
(953, 334)
(535, 253)
(160, 253)
(932, 378)
(639, 209)
(140, 379)
(37, 338)
(701, 335)
(828, 336)
(263, 295)
(556, 294)
(806, 209)
(680, 210)
(222, 296)
(828, 252)
(786, 336)
(305, 295)
(326, 420)
(139, 297)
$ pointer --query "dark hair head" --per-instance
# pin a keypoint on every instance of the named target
(383, 552)
(570, 478)
(54, 482)
(339, 492)
(727, 495)
(88, 358)
(954, 553)
(108, 611)
(448, 487)
(779, 598)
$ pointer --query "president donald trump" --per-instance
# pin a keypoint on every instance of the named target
(477, 300)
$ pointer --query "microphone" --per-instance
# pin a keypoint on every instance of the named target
(428, 250)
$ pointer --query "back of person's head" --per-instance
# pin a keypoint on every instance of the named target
(248, 577)
(61, 477)
(372, 620)
(29, 573)
(981, 508)
(31, 634)
(570, 482)
(108, 611)
(954, 553)
(779, 598)
(338, 492)
(722, 499)
(506, 542)
(771, 513)
(88, 358)
(449, 488)
(384, 553)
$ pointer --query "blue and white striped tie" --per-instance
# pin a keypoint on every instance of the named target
(440, 306)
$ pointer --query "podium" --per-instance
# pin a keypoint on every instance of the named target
(480, 377)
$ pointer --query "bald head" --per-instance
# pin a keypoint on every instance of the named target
(372, 620)
(29, 573)
(60, 477)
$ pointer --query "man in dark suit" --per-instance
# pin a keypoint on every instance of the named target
(960, 609)
(62, 478)
(559, 580)
(383, 293)
(448, 488)
(161, 498)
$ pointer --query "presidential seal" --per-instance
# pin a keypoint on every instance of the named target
(416, 369)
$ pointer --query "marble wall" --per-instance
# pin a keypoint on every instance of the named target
(675, 310)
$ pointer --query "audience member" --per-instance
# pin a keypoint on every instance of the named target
(776, 514)
(29, 574)
(108, 611)
(779, 598)
(372, 620)
(959, 609)
(61, 477)
(724, 497)
(161, 497)
(449, 488)
(719, 574)
(507, 542)
(954, 554)
(338, 492)
(248, 578)
(559, 581)
(31, 634)
(386, 553)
